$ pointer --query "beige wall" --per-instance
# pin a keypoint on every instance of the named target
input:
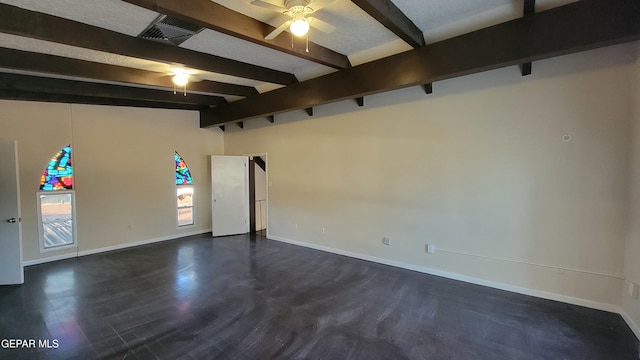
(123, 169)
(478, 168)
(632, 263)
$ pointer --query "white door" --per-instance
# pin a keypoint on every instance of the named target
(11, 271)
(229, 195)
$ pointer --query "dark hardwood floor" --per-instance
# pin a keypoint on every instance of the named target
(238, 298)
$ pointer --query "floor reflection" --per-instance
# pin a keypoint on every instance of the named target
(61, 318)
(186, 280)
(60, 281)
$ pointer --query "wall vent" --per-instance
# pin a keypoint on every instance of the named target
(169, 30)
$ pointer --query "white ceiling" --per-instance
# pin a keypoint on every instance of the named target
(357, 35)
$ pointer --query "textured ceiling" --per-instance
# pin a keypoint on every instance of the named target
(109, 14)
(355, 29)
(357, 34)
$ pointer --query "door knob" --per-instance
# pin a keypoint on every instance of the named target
(12, 220)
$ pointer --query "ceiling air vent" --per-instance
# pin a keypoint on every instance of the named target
(168, 30)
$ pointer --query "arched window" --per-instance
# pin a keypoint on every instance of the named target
(59, 173)
(183, 175)
(184, 192)
(56, 203)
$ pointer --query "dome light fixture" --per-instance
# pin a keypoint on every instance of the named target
(299, 25)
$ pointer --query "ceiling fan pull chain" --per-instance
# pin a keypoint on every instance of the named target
(292, 41)
(307, 42)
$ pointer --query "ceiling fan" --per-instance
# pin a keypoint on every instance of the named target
(181, 77)
(298, 11)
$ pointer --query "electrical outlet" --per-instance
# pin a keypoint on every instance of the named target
(322, 230)
(633, 290)
(431, 248)
(386, 241)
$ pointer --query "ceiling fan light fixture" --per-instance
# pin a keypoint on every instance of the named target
(180, 77)
(299, 25)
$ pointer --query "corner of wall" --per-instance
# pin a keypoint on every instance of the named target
(630, 307)
(630, 321)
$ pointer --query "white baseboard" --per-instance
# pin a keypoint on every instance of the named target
(113, 247)
(48, 259)
(469, 279)
(632, 324)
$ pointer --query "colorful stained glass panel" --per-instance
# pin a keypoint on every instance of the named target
(59, 173)
(183, 175)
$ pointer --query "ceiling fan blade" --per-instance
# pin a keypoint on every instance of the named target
(269, 6)
(321, 25)
(319, 4)
(272, 35)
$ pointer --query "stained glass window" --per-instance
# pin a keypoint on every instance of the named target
(59, 173)
(183, 175)
(184, 193)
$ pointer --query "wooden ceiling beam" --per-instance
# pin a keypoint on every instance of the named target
(526, 69)
(29, 83)
(388, 14)
(51, 64)
(578, 26)
(32, 24)
(529, 9)
(211, 15)
(91, 100)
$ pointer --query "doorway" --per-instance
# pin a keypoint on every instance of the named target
(229, 195)
(258, 195)
(239, 197)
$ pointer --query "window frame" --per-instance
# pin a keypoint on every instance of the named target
(74, 231)
(193, 206)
